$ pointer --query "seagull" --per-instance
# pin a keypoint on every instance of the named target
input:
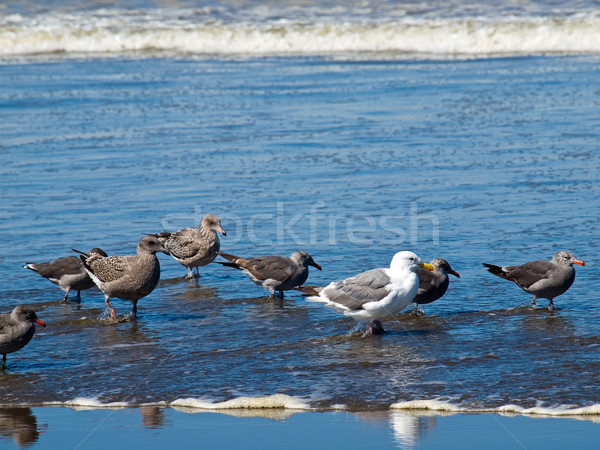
(274, 272)
(542, 279)
(375, 294)
(66, 272)
(433, 284)
(129, 277)
(194, 247)
(16, 330)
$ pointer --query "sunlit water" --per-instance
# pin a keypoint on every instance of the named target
(490, 160)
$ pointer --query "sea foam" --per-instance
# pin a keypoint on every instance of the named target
(115, 32)
(554, 411)
(267, 402)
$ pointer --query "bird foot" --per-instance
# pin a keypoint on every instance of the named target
(374, 328)
(418, 312)
(551, 307)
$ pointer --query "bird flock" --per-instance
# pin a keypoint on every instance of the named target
(370, 296)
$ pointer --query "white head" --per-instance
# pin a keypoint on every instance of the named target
(408, 261)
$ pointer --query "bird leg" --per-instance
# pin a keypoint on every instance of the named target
(78, 296)
(65, 298)
(551, 306)
(113, 314)
(3, 362)
(134, 310)
(417, 312)
(190, 273)
(375, 327)
(533, 301)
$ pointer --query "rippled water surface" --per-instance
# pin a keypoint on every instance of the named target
(493, 160)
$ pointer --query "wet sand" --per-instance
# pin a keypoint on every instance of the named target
(156, 427)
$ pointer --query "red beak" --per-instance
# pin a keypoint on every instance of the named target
(39, 322)
(578, 262)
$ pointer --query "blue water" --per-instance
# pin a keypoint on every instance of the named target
(488, 159)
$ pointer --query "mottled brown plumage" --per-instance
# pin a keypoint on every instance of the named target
(194, 247)
(129, 277)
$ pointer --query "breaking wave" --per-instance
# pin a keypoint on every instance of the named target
(114, 32)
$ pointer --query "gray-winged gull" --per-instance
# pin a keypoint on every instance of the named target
(542, 279)
(433, 283)
(274, 272)
(66, 272)
(194, 247)
(129, 277)
(375, 294)
(16, 330)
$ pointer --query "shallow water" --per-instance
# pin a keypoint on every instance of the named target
(489, 160)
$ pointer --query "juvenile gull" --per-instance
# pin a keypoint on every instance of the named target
(433, 283)
(274, 272)
(375, 294)
(16, 330)
(194, 247)
(542, 279)
(129, 277)
(66, 272)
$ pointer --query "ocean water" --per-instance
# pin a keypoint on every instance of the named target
(306, 127)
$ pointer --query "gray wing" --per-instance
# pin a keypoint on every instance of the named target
(272, 267)
(529, 273)
(57, 268)
(354, 292)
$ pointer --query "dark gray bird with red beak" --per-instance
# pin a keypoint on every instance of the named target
(16, 330)
(542, 279)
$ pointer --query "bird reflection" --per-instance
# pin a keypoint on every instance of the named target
(20, 424)
(407, 427)
(152, 416)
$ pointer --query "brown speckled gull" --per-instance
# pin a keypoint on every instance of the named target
(16, 330)
(274, 272)
(194, 247)
(67, 272)
(433, 283)
(542, 279)
(129, 277)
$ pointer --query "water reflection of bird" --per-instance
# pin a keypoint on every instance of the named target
(66, 272)
(16, 330)
(542, 279)
(129, 277)
(20, 424)
(433, 283)
(194, 247)
(274, 272)
(152, 416)
(375, 294)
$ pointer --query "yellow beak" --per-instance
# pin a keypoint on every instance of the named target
(426, 266)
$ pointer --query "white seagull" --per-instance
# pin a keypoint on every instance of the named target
(375, 294)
